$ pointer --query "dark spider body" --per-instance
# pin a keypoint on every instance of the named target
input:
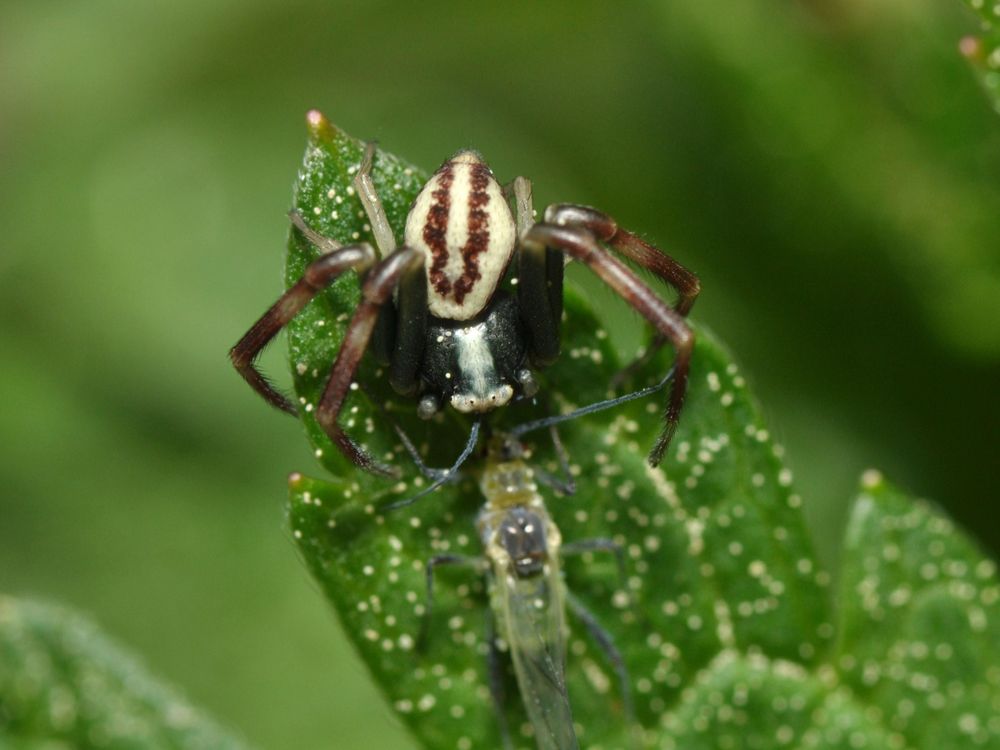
(476, 365)
(431, 309)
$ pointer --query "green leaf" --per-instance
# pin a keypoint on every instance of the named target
(726, 626)
(64, 685)
(983, 50)
(718, 562)
(919, 623)
(744, 701)
(324, 195)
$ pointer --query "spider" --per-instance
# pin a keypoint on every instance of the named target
(431, 309)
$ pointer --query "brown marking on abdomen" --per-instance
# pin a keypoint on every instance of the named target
(479, 231)
(436, 229)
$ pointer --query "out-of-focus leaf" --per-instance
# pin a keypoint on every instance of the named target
(754, 702)
(919, 623)
(983, 49)
(64, 685)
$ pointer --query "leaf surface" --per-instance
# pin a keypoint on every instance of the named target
(724, 621)
(983, 49)
(64, 684)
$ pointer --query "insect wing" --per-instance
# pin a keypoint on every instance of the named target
(533, 610)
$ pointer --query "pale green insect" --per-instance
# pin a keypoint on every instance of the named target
(522, 549)
(522, 545)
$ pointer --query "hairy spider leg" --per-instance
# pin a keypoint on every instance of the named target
(640, 252)
(403, 269)
(524, 211)
(376, 289)
(319, 274)
(631, 246)
(581, 244)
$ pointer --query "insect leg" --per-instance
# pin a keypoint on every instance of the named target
(599, 544)
(493, 664)
(581, 244)
(433, 564)
(565, 484)
(319, 274)
(375, 291)
(614, 657)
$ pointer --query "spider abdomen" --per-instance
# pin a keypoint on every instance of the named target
(462, 223)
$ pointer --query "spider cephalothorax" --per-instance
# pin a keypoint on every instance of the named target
(431, 309)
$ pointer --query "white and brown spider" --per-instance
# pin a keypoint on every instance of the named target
(431, 308)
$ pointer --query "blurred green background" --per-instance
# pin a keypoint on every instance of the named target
(830, 169)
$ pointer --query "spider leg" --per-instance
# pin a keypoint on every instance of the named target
(376, 289)
(581, 244)
(524, 211)
(409, 331)
(539, 284)
(326, 244)
(319, 274)
(398, 338)
(640, 252)
(384, 336)
(370, 201)
(445, 475)
(631, 246)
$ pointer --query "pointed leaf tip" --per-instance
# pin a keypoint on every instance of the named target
(972, 48)
(318, 126)
(871, 479)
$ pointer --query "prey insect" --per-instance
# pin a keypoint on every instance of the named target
(522, 552)
(432, 309)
